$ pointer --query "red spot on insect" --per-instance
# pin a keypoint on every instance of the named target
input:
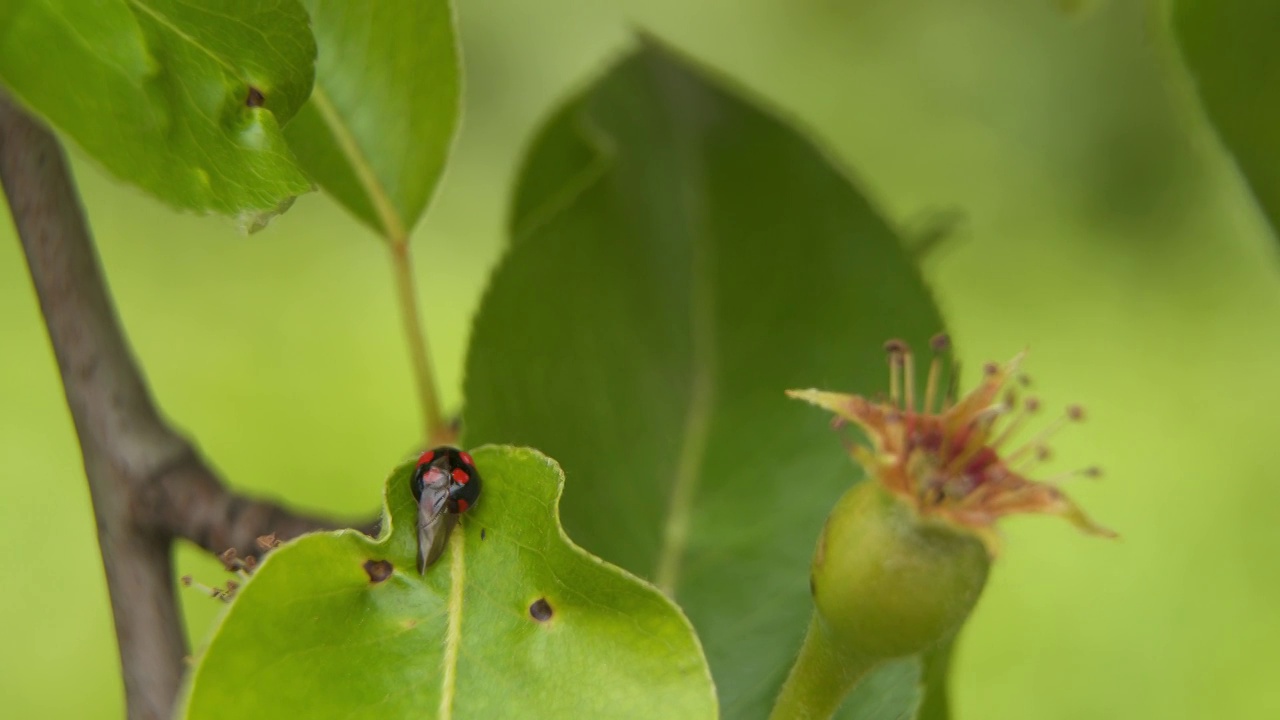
(466, 458)
(463, 505)
(426, 457)
(460, 476)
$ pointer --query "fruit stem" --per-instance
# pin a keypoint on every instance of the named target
(821, 678)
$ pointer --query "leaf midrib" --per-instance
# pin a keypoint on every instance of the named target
(392, 224)
(697, 419)
(453, 631)
(172, 27)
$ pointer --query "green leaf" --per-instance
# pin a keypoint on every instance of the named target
(891, 693)
(325, 630)
(158, 91)
(1230, 47)
(379, 125)
(664, 290)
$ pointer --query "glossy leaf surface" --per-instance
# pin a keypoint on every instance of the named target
(378, 128)
(185, 100)
(513, 621)
(679, 259)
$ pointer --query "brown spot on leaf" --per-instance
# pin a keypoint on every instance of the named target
(255, 98)
(481, 533)
(540, 610)
(378, 570)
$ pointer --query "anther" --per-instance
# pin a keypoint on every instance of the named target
(1089, 472)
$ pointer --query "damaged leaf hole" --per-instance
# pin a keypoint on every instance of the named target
(255, 98)
(377, 570)
(540, 610)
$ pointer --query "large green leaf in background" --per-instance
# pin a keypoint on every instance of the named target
(378, 128)
(1233, 50)
(326, 629)
(159, 91)
(682, 259)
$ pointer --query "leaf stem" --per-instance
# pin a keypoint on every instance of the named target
(416, 337)
(821, 678)
(397, 236)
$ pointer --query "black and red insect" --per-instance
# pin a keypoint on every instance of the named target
(446, 484)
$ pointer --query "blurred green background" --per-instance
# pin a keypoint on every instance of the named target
(1102, 226)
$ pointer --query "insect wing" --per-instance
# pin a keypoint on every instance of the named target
(434, 524)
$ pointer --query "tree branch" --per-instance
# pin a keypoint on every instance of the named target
(148, 484)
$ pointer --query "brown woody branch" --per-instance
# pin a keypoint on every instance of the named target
(148, 484)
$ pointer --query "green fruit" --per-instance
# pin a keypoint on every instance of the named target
(889, 583)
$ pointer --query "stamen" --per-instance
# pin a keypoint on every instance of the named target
(939, 344)
(213, 592)
(953, 388)
(895, 349)
(973, 442)
(1029, 408)
(1074, 413)
(1024, 464)
(1092, 472)
(909, 379)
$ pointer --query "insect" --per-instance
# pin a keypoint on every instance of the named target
(446, 484)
